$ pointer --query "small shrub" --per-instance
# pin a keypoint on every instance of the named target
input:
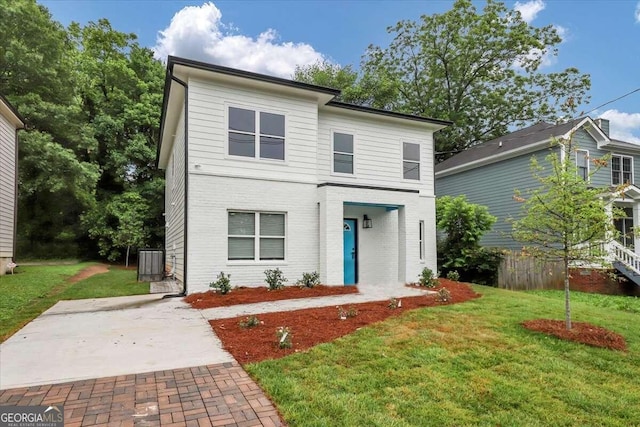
(394, 303)
(453, 275)
(428, 279)
(284, 337)
(275, 279)
(250, 322)
(443, 295)
(222, 284)
(309, 280)
(344, 314)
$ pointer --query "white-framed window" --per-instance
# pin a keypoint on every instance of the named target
(582, 163)
(410, 161)
(256, 134)
(256, 236)
(421, 239)
(343, 153)
(621, 169)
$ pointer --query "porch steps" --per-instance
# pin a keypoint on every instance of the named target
(626, 262)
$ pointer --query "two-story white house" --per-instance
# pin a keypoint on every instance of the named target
(10, 123)
(264, 173)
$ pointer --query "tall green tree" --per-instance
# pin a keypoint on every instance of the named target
(55, 186)
(91, 99)
(482, 70)
(565, 218)
(121, 94)
(372, 90)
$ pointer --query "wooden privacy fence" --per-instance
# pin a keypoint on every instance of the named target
(523, 272)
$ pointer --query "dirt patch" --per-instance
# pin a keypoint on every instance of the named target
(244, 295)
(310, 327)
(88, 272)
(581, 332)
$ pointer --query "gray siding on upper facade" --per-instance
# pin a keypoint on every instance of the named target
(493, 186)
(602, 178)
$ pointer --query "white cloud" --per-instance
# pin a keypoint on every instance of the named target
(197, 32)
(623, 126)
(529, 10)
(637, 13)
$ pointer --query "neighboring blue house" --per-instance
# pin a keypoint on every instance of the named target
(489, 173)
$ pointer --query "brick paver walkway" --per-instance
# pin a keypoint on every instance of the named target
(213, 395)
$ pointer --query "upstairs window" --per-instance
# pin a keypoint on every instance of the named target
(582, 163)
(411, 161)
(342, 153)
(621, 169)
(256, 134)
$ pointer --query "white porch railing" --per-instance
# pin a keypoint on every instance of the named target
(627, 257)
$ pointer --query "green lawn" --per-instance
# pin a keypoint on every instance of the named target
(464, 364)
(25, 295)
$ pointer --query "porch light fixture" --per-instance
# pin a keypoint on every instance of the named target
(366, 222)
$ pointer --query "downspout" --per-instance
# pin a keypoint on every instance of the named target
(186, 188)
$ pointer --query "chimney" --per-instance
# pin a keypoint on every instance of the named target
(603, 124)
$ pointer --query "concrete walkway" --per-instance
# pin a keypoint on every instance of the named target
(367, 293)
(104, 337)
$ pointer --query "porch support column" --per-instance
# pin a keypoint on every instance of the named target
(330, 238)
(402, 244)
(636, 223)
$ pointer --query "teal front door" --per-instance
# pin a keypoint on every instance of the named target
(350, 254)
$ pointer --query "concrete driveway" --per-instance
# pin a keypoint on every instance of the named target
(94, 338)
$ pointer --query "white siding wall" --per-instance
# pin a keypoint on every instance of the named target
(7, 188)
(210, 199)
(174, 204)
(208, 110)
(378, 151)
(388, 253)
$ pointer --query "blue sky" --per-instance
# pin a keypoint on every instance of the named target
(601, 38)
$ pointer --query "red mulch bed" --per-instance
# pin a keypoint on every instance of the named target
(581, 332)
(314, 326)
(245, 295)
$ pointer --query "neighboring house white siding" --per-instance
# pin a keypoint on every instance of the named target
(301, 187)
(9, 122)
(7, 186)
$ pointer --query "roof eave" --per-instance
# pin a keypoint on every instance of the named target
(435, 124)
(11, 113)
(494, 158)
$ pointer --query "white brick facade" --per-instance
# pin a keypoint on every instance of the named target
(302, 186)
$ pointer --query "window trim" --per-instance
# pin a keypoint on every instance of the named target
(587, 178)
(334, 152)
(421, 241)
(256, 135)
(256, 239)
(622, 156)
(402, 161)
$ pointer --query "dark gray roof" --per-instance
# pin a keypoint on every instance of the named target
(387, 113)
(174, 60)
(541, 131)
